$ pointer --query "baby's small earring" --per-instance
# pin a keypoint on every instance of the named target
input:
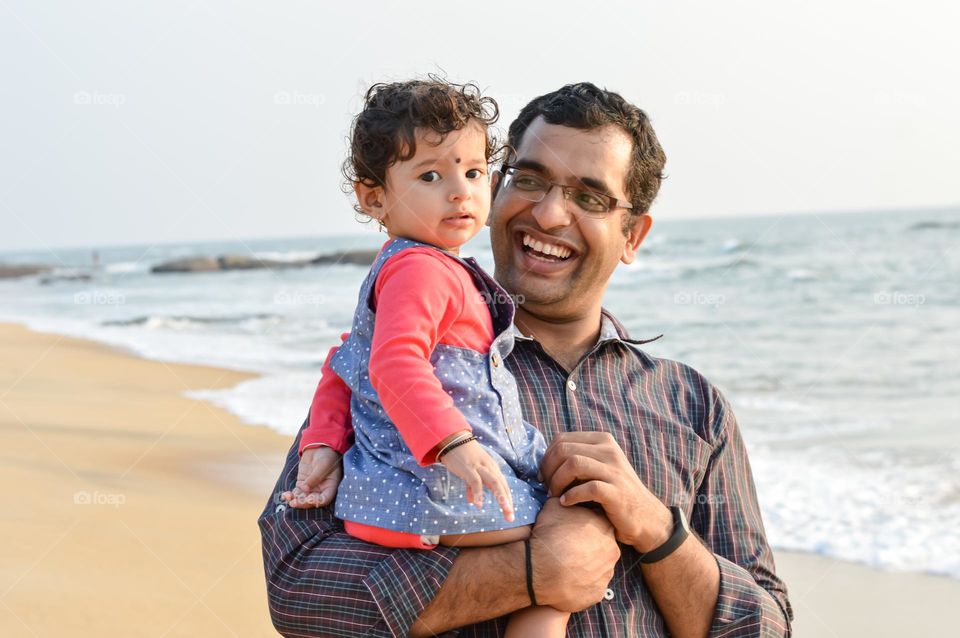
(380, 226)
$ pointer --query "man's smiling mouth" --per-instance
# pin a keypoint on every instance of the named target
(545, 251)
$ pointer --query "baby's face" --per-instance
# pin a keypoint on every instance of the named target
(441, 195)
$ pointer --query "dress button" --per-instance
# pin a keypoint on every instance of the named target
(495, 359)
(608, 595)
(571, 385)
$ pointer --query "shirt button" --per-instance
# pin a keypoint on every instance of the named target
(571, 385)
(608, 595)
(495, 359)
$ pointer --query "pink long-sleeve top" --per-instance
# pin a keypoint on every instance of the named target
(422, 298)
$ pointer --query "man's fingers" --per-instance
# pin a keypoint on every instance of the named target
(578, 468)
(582, 437)
(596, 491)
(560, 451)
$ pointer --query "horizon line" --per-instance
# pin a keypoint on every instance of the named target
(660, 218)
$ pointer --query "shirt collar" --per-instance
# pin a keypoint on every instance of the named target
(610, 330)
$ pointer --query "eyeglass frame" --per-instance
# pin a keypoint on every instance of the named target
(613, 203)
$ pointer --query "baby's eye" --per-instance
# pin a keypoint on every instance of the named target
(474, 173)
(432, 176)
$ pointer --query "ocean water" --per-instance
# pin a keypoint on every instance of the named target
(834, 336)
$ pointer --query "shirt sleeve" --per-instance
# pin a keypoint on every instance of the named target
(330, 411)
(323, 582)
(418, 298)
(752, 600)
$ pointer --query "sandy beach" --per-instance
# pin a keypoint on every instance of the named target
(123, 514)
(130, 510)
(833, 598)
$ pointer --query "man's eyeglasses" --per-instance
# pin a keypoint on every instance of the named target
(534, 188)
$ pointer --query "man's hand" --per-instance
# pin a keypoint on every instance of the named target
(474, 465)
(318, 476)
(598, 470)
(574, 553)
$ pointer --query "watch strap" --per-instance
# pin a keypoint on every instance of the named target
(679, 534)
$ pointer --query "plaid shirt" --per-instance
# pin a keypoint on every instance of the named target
(684, 443)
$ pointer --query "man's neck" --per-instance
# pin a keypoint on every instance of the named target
(566, 340)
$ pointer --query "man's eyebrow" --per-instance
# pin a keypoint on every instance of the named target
(596, 184)
(590, 182)
(531, 165)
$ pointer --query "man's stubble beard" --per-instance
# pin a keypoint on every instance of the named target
(544, 301)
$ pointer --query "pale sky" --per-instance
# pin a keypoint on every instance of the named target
(141, 122)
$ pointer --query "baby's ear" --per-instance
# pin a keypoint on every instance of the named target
(370, 199)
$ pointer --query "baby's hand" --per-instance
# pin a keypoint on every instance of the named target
(318, 476)
(478, 469)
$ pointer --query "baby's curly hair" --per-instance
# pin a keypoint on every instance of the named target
(384, 132)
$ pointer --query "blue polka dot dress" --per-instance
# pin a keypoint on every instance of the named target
(383, 485)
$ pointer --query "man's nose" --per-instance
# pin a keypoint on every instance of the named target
(552, 211)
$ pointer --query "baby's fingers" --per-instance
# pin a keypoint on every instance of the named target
(475, 490)
(497, 482)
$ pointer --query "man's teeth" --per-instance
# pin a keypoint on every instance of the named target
(546, 249)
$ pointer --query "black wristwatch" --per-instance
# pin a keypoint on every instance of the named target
(681, 529)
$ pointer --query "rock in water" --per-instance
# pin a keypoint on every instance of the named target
(245, 262)
(188, 264)
(10, 271)
(360, 257)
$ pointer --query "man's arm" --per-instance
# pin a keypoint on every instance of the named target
(322, 581)
(685, 584)
(752, 600)
(573, 555)
(699, 591)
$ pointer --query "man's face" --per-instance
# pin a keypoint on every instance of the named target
(547, 285)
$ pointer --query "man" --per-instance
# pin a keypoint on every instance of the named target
(648, 441)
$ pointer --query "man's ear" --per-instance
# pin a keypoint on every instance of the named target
(370, 199)
(635, 237)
